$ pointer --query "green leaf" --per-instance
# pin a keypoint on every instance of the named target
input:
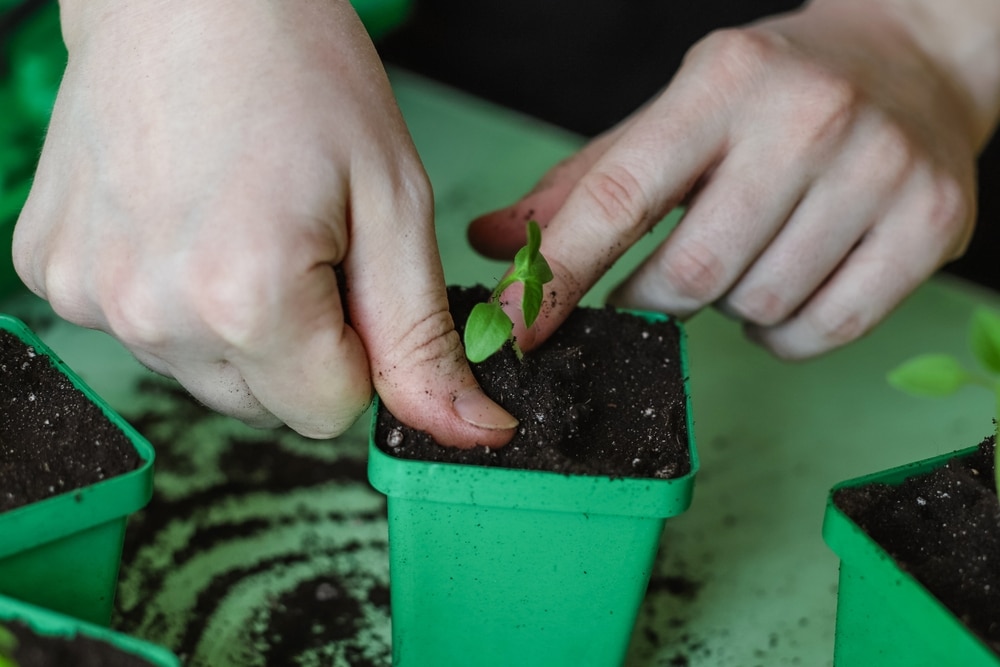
(528, 262)
(522, 264)
(540, 270)
(531, 301)
(534, 243)
(8, 643)
(985, 338)
(486, 330)
(930, 375)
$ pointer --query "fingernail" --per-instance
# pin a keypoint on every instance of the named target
(476, 408)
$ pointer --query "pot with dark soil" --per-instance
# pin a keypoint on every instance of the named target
(71, 471)
(919, 548)
(34, 637)
(539, 553)
(920, 544)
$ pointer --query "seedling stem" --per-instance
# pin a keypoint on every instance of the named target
(488, 326)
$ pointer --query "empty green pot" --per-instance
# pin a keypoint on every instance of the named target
(47, 623)
(885, 617)
(63, 553)
(498, 567)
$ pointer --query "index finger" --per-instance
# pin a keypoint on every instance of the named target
(647, 172)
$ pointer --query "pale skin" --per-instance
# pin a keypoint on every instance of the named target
(208, 164)
(826, 158)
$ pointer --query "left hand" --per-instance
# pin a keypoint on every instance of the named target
(827, 160)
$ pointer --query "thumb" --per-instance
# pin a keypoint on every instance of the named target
(399, 306)
(500, 234)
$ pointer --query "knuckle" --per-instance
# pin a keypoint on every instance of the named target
(231, 299)
(837, 324)
(763, 306)
(63, 285)
(62, 292)
(950, 207)
(738, 53)
(894, 150)
(432, 340)
(133, 315)
(619, 198)
(695, 272)
(829, 105)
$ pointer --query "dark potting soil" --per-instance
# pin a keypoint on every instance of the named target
(52, 438)
(943, 528)
(603, 396)
(35, 650)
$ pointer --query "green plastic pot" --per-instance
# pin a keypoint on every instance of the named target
(48, 623)
(499, 567)
(63, 553)
(886, 617)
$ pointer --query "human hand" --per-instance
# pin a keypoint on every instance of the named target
(206, 168)
(825, 158)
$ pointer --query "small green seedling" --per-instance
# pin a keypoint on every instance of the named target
(488, 326)
(7, 645)
(943, 374)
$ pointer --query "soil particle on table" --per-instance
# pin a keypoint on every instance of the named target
(677, 585)
(604, 396)
(943, 528)
(52, 438)
(35, 650)
(315, 581)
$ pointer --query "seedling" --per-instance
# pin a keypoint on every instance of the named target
(488, 326)
(7, 645)
(943, 374)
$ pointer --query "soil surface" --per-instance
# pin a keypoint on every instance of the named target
(52, 438)
(944, 528)
(604, 396)
(35, 650)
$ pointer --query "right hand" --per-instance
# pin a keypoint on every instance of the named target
(206, 167)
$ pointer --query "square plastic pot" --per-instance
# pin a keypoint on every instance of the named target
(885, 616)
(48, 623)
(63, 553)
(498, 567)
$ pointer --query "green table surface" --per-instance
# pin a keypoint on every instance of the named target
(260, 546)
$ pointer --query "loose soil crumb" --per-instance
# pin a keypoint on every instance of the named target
(604, 396)
(315, 580)
(943, 528)
(52, 438)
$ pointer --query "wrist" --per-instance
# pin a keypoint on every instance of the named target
(960, 40)
(964, 39)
